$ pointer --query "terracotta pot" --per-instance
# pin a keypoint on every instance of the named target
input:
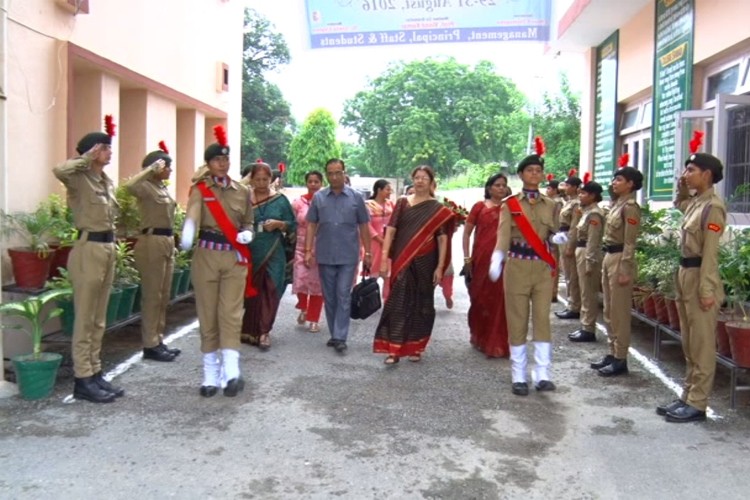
(739, 342)
(59, 260)
(649, 306)
(662, 315)
(29, 269)
(722, 337)
(673, 314)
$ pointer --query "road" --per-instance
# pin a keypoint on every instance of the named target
(313, 424)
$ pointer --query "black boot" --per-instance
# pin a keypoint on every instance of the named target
(172, 350)
(617, 367)
(582, 336)
(117, 391)
(87, 388)
(234, 387)
(158, 353)
(568, 314)
(604, 362)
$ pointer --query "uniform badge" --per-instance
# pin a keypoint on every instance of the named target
(594, 222)
(714, 227)
(632, 221)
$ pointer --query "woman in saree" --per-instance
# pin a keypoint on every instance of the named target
(381, 208)
(273, 218)
(417, 240)
(306, 284)
(489, 331)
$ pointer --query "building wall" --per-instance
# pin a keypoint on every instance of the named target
(635, 72)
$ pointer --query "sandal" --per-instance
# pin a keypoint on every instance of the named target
(301, 318)
(391, 360)
(415, 358)
(264, 342)
(314, 328)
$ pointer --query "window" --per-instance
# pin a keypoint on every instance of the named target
(636, 117)
(737, 164)
(723, 82)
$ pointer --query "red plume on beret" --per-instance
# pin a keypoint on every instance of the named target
(109, 125)
(572, 172)
(163, 147)
(221, 135)
(281, 167)
(550, 177)
(539, 145)
(623, 160)
(696, 141)
(587, 177)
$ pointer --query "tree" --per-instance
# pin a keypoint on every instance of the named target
(558, 122)
(436, 112)
(313, 146)
(267, 123)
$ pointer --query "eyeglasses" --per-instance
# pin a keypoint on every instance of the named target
(420, 178)
(337, 173)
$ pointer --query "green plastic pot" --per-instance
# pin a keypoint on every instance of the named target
(36, 377)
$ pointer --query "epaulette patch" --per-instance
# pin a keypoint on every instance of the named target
(632, 221)
(714, 227)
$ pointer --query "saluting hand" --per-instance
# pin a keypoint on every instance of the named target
(158, 166)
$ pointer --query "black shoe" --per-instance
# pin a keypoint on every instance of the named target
(117, 391)
(545, 385)
(615, 368)
(234, 387)
(664, 409)
(582, 336)
(520, 388)
(608, 359)
(568, 314)
(331, 343)
(158, 353)
(172, 350)
(87, 388)
(555, 300)
(340, 346)
(686, 413)
(208, 390)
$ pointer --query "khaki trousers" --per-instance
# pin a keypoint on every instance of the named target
(556, 277)
(91, 267)
(154, 259)
(589, 285)
(618, 302)
(219, 285)
(572, 288)
(698, 331)
(527, 282)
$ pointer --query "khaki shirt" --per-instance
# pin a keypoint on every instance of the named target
(542, 214)
(702, 226)
(91, 198)
(590, 229)
(235, 199)
(621, 228)
(569, 215)
(155, 204)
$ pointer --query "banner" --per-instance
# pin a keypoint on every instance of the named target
(605, 109)
(354, 23)
(673, 89)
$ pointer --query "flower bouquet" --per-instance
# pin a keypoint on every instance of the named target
(460, 212)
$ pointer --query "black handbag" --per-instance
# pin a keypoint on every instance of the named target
(365, 298)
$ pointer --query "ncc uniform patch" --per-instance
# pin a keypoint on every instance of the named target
(632, 221)
(594, 222)
(714, 227)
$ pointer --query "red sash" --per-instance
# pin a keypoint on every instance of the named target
(230, 233)
(527, 230)
(420, 244)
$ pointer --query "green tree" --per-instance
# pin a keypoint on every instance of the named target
(267, 123)
(437, 112)
(312, 146)
(558, 122)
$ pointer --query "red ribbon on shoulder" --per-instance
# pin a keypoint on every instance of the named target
(528, 232)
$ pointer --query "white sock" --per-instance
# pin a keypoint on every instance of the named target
(230, 364)
(211, 369)
(542, 360)
(518, 362)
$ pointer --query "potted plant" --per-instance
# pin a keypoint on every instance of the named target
(64, 232)
(182, 261)
(734, 269)
(31, 261)
(126, 281)
(62, 282)
(36, 372)
(129, 218)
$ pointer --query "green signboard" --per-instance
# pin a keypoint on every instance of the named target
(605, 108)
(673, 88)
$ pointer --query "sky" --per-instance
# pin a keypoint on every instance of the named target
(327, 77)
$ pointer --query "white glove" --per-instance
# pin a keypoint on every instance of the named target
(158, 166)
(244, 237)
(496, 265)
(188, 234)
(560, 238)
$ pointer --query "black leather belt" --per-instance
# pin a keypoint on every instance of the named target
(564, 228)
(581, 244)
(98, 237)
(158, 231)
(522, 251)
(691, 261)
(613, 248)
(212, 236)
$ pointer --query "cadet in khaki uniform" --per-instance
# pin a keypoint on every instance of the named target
(618, 269)
(218, 271)
(553, 192)
(527, 277)
(154, 252)
(569, 215)
(699, 287)
(589, 258)
(91, 264)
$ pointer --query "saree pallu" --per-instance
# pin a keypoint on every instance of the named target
(408, 316)
(269, 266)
(487, 323)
